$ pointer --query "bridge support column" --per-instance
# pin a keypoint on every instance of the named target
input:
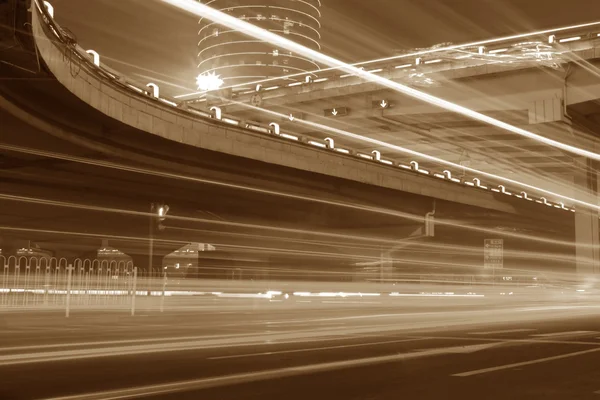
(386, 266)
(587, 251)
(587, 224)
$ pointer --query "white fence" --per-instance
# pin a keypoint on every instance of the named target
(30, 283)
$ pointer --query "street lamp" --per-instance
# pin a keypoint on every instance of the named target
(162, 211)
(158, 213)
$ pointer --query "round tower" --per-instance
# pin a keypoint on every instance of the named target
(229, 58)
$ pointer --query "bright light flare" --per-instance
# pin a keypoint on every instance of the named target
(209, 81)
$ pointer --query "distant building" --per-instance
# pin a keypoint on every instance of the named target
(237, 59)
(184, 262)
(33, 251)
(110, 254)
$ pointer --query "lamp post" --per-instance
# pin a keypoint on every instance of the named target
(158, 214)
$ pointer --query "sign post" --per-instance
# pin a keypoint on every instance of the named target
(493, 255)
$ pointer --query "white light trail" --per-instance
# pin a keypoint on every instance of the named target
(417, 53)
(203, 221)
(169, 175)
(427, 157)
(205, 11)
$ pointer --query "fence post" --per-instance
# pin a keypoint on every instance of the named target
(46, 285)
(5, 282)
(69, 277)
(134, 291)
(162, 299)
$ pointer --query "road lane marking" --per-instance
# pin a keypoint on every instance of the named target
(115, 342)
(524, 363)
(180, 338)
(350, 302)
(263, 339)
(500, 332)
(571, 333)
(268, 353)
(505, 340)
(219, 381)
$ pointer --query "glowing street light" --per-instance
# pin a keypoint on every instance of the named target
(95, 57)
(155, 89)
(49, 8)
(209, 81)
(162, 211)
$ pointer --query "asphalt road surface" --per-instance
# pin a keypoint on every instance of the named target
(505, 351)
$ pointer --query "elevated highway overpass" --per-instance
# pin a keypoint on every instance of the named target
(115, 123)
(556, 97)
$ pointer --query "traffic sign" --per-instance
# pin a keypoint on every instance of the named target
(493, 253)
(292, 117)
(336, 112)
(381, 104)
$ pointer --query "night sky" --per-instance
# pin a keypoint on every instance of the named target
(147, 39)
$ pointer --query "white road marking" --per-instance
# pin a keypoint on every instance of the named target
(505, 340)
(524, 363)
(244, 340)
(205, 383)
(268, 353)
(500, 332)
(571, 333)
(114, 342)
(350, 302)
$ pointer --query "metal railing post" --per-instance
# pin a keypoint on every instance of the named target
(133, 293)
(46, 285)
(68, 301)
(4, 283)
(164, 286)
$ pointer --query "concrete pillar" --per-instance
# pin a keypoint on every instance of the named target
(587, 231)
(386, 266)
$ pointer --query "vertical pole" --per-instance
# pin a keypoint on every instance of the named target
(150, 253)
(69, 278)
(133, 293)
(162, 299)
(381, 266)
(151, 240)
(46, 285)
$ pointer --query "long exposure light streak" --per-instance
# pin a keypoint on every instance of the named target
(404, 150)
(254, 249)
(410, 55)
(170, 175)
(200, 180)
(254, 236)
(399, 214)
(246, 28)
(377, 242)
(431, 248)
(86, 207)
